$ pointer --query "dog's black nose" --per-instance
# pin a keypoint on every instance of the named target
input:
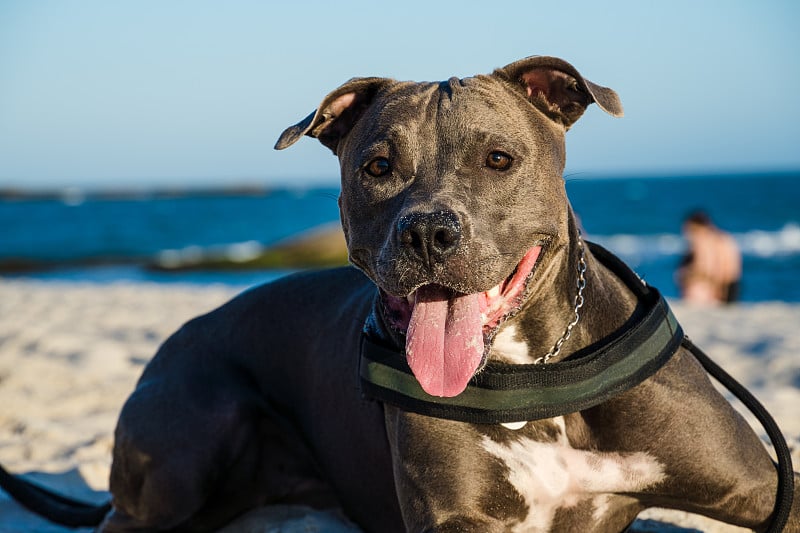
(430, 236)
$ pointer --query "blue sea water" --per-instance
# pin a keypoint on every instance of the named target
(105, 238)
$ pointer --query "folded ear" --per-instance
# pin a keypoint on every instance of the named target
(557, 89)
(336, 115)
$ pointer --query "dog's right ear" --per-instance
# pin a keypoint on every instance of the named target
(336, 115)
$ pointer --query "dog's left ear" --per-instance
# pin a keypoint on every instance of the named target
(336, 115)
(557, 89)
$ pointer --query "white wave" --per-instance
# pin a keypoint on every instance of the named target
(239, 252)
(785, 241)
(635, 249)
(759, 243)
(243, 251)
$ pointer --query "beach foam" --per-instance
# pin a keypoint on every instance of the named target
(70, 353)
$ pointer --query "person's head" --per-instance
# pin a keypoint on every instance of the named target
(696, 222)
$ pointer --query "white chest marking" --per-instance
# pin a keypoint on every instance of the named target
(508, 349)
(553, 475)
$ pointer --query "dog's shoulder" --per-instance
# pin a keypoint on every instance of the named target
(313, 285)
(302, 294)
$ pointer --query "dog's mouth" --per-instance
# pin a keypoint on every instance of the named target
(448, 332)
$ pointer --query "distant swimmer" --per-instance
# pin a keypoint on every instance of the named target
(711, 271)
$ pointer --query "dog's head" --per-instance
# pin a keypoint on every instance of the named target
(453, 198)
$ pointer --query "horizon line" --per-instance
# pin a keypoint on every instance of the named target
(257, 186)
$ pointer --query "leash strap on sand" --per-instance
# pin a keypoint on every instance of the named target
(50, 505)
(785, 494)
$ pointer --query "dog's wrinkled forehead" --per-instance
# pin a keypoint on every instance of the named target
(439, 114)
(484, 96)
(549, 85)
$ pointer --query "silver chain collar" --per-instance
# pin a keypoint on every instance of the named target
(581, 284)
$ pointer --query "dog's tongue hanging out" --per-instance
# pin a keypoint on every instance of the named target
(444, 340)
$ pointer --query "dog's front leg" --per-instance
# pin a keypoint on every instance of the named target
(445, 480)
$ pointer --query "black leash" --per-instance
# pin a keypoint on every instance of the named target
(785, 494)
(52, 506)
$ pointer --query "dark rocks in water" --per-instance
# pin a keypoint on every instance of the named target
(323, 246)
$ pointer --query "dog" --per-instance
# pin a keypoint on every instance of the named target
(467, 257)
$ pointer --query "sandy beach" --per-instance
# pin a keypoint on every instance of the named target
(70, 353)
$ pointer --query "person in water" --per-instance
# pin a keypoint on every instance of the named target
(711, 271)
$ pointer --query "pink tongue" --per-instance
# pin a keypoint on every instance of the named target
(444, 340)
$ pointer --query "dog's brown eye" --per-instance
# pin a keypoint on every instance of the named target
(379, 167)
(498, 161)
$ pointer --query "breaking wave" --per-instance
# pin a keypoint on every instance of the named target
(758, 243)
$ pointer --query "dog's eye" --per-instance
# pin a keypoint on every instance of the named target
(378, 167)
(498, 161)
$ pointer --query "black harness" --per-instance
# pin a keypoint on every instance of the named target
(510, 393)
(502, 393)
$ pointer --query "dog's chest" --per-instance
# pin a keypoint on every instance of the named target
(508, 348)
(552, 475)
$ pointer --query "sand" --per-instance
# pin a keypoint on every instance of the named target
(70, 353)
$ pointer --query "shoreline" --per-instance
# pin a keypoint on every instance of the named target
(71, 352)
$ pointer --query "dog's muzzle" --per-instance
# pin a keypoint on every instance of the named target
(447, 332)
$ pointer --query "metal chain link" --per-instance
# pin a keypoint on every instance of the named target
(581, 284)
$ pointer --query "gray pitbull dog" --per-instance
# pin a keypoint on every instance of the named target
(467, 253)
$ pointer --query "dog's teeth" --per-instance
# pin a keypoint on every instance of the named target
(514, 425)
(494, 292)
(410, 299)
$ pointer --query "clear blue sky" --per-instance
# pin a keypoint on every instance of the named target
(146, 93)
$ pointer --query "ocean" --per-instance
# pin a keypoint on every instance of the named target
(108, 237)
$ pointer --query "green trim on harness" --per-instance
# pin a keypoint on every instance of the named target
(509, 393)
